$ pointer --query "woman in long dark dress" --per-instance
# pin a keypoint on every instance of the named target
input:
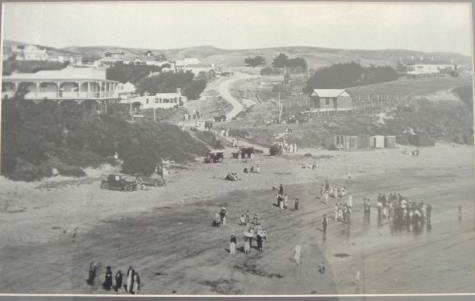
(259, 242)
(118, 280)
(92, 273)
(107, 285)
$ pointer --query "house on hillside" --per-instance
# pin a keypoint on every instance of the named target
(156, 101)
(183, 65)
(330, 101)
(29, 53)
(111, 57)
(87, 86)
(426, 67)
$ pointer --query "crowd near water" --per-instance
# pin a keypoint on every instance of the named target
(393, 209)
(401, 213)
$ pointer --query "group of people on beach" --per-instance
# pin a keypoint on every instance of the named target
(254, 228)
(282, 199)
(400, 212)
(333, 191)
(288, 147)
(131, 284)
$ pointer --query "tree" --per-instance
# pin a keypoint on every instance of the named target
(130, 72)
(255, 61)
(297, 64)
(280, 61)
(164, 82)
(193, 89)
(348, 74)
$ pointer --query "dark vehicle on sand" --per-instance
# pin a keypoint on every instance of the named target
(214, 157)
(119, 182)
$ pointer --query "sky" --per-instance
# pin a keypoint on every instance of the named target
(242, 25)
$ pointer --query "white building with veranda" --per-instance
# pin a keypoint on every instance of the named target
(81, 85)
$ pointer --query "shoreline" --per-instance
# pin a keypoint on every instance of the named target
(185, 207)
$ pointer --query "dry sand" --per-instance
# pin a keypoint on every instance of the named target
(53, 229)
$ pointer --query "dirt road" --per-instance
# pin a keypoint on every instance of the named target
(225, 92)
(166, 233)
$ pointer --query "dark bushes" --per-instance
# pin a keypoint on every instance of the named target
(39, 137)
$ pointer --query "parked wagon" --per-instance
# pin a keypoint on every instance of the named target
(214, 157)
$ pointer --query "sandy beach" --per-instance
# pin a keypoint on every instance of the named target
(54, 228)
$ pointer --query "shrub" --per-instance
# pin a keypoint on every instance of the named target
(348, 75)
(25, 171)
(210, 139)
(39, 137)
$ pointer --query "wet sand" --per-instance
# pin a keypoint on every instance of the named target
(51, 234)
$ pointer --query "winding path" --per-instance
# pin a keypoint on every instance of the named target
(225, 92)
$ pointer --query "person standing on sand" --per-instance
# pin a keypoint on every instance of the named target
(296, 204)
(135, 289)
(324, 227)
(232, 245)
(118, 280)
(281, 189)
(297, 257)
(247, 245)
(222, 215)
(357, 282)
(259, 241)
(428, 213)
(242, 220)
(326, 195)
(349, 203)
(92, 273)
(286, 200)
(107, 284)
(129, 280)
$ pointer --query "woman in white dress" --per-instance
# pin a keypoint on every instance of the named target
(130, 280)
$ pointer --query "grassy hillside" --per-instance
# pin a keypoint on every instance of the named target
(315, 56)
(8, 44)
(411, 87)
(39, 137)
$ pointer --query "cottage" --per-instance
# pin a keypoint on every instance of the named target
(29, 53)
(156, 101)
(331, 100)
(110, 57)
(426, 67)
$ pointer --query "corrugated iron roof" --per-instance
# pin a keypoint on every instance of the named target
(328, 92)
(69, 73)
